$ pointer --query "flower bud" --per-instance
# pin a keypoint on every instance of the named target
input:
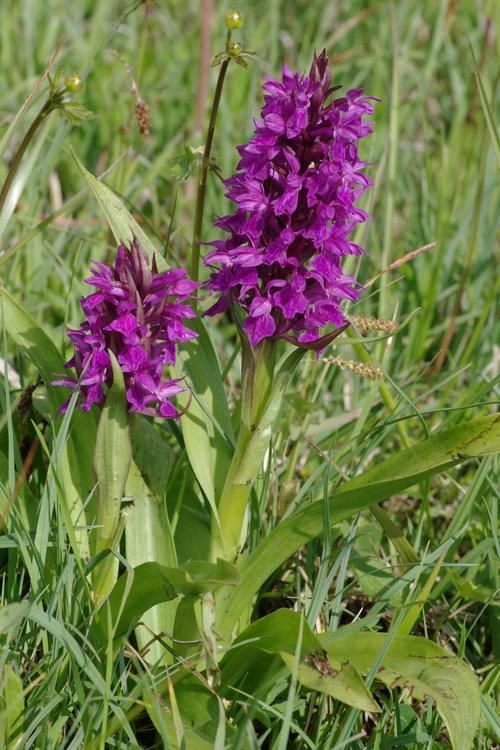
(73, 84)
(234, 49)
(233, 19)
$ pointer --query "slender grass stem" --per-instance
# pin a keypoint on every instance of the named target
(391, 166)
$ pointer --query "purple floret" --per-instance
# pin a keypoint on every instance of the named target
(138, 314)
(295, 189)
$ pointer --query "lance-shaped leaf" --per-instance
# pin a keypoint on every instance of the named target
(440, 452)
(112, 459)
(425, 667)
(122, 223)
(278, 634)
(140, 588)
(206, 423)
(148, 536)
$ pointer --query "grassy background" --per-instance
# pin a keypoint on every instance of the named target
(436, 179)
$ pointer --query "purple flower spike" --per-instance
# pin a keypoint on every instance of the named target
(295, 189)
(137, 313)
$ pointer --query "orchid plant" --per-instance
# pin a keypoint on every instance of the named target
(178, 575)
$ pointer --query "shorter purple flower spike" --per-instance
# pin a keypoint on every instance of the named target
(297, 182)
(137, 313)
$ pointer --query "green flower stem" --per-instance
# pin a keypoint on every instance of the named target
(16, 161)
(202, 179)
(257, 416)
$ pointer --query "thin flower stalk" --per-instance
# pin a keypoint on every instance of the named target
(234, 20)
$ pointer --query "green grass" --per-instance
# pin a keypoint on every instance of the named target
(435, 169)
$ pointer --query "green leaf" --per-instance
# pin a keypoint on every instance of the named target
(278, 633)
(11, 615)
(402, 470)
(122, 223)
(206, 425)
(152, 454)
(180, 167)
(489, 115)
(11, 708)
(471, 591)
(22, 176)
(343, 683)
(425, 666)
(27, 334)
(112, 458)
(76, 461)
(140, 588)
(148, 535)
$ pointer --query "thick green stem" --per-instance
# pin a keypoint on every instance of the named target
(252, 443)
(16, 161)
(202, 179)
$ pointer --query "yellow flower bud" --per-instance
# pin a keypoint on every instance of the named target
(233, 19)
(73, 84)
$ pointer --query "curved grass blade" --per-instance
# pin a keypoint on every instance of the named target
(441, 451)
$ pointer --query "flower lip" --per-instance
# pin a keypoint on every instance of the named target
(295, 191)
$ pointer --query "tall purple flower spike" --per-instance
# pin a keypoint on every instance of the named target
(137, 313)
(295, 190)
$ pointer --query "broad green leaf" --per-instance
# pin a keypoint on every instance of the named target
(408, 467)
(112, 458)
(148, 536)
(11, 708)
(140, 588)
(423, 665)
(152, 454)
(206, 425)
(278, 634)
(343, 682)
(122, 223)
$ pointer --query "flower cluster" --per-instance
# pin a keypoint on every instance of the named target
(297, 182)
(136, 313)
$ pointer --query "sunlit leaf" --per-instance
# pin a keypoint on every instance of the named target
(278, 634)
(112, 458)
(425, 667)
(140, 588)
(122, 223)
(440, 452)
